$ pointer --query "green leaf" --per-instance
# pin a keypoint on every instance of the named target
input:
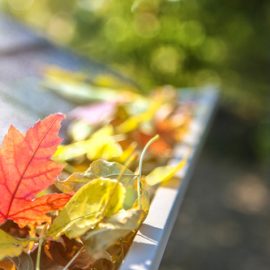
(10, 246)
(96, 200)
(164, 173)
(100, 145)
(102, 169)
(113, 229)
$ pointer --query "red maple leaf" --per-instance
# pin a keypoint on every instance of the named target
(26, 169)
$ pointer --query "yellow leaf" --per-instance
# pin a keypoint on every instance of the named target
(99, 198)
(10, 246)
(145, 200)
(79, 130)
(113, 229)
(136, 120)
(128, 152)
(64, 75)
(102, 169)
(113, 82)
(77, 87)
(70, 151)
(73, 183)
(103, 145)
(100, 145)
(164, 173)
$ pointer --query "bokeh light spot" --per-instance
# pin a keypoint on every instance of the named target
(115, 29)
(166, 59)
(213, 50)
(191, 33)
(248, 195)
(146, 24)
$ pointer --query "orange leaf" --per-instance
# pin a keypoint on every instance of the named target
(26, 167)
(36, 210)
(157, 148)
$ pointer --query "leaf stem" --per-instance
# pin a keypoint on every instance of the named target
(139, 184)
(73, 259)
(34, 239)
(40, 243)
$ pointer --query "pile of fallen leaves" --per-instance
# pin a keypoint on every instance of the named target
(78, 205)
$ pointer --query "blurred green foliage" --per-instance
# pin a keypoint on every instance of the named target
(178, 42)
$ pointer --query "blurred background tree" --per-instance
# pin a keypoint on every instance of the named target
(178, 42)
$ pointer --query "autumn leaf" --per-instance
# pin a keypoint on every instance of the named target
(81, 89)
(114, 82)
(99, 198)
(10, 246)
(103, 145)
(7, 264)
(134, 121)
(115, 170)
(128, 152)
(79, 130)
(100, 145)
(98, 168)
(75, 88)
(35, 211)
(113, 229)
(26, 169)
(102, 169)
(164, 173)
(95, 114)
(71, 151)
(145, 199)
(159, 146)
